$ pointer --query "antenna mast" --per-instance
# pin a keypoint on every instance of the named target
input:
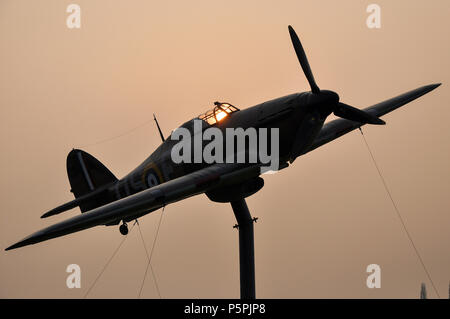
(159, 129)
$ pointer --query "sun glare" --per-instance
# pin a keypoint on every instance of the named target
(220, 115)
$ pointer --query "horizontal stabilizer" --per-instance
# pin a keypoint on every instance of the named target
(74, 203)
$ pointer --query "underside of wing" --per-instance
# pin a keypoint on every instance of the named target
(142, 203)
(339, 127)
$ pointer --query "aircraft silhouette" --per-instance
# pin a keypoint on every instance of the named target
(158, 181)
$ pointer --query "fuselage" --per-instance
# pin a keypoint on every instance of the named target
(298, 117)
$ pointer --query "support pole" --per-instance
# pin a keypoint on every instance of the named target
(246, 248)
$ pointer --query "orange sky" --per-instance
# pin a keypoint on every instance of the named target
(321, 222)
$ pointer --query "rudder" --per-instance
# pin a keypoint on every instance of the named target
(87, 174)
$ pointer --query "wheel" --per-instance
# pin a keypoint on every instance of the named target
(123, 229)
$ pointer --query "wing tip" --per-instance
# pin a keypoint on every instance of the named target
(16, 245)
(30, 240)
(430, 87)
(426, 89)
(434, 85)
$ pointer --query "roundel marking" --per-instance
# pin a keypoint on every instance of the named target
(151, 179)
(151, 175)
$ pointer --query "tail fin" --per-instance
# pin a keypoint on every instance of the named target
(89, 180)
(86, 175)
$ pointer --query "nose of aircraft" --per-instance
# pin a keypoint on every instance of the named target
(329, 97)
(324, 101)
(323, 97)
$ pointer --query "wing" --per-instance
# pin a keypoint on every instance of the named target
(142, 203)
(337, 128)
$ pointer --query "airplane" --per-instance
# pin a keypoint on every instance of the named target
(158, 181)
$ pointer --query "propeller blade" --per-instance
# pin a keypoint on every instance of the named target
(303, 60)
(353, 114)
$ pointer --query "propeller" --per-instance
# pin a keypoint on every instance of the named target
(339, 109)
(352, 113)
(301, 55)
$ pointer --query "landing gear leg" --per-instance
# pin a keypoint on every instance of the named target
(123, 229)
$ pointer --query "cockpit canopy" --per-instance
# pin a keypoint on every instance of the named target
(218, 113)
